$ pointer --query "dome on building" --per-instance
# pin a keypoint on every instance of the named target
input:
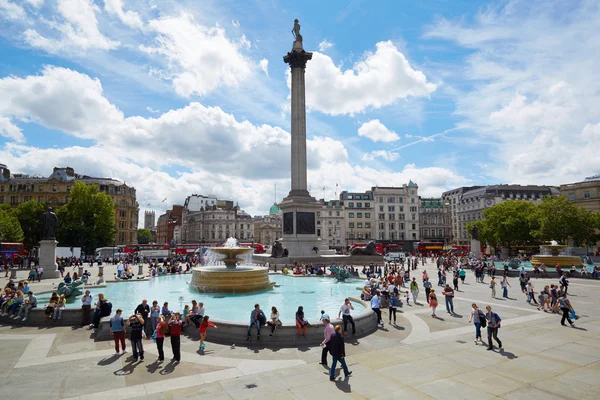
(274, 209)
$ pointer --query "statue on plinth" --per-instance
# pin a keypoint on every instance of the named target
(49, 225)
(475, 232)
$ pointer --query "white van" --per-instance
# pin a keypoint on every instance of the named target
(394, 257)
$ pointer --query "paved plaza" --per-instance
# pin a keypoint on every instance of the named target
(421, 357)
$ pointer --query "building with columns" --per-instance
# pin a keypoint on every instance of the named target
(55, 189)
(584, 194)
(435, 220)
(268, 228)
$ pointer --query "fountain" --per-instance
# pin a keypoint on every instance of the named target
(555, 258)
(231, 278)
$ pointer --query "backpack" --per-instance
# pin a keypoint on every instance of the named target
(164, 329)
(482, 319)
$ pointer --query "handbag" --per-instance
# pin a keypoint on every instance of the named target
(574, 315)
(482, 319)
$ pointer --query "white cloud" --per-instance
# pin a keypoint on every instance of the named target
(264, 66)
(152, 110)
(378, 80)
(325, 45)
(198, 59)
(377, 132)
(129, 18)
(530, 87)
(11, 10)
(386, 155)
(231, 158)
(11, 131)
(77, 32)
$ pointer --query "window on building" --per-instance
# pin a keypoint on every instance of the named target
(381, 235)
(586, 195)
(571, 196)
(381, 199)
(400, 199)
(318, 232)
(382, 225)
(359, 205)
(351, 204)
(400, 216)
(414, 216)
(391, 226)
(412, 200)
(414, 226)
(367, 235)
(318, 222)
(381, 208)
(367, 215)
(367, 205)
(359, 224)
(391, 208)
(351, 215)
(367, 224)
(330, 213)
(337, 213)
(350, 197)
(391, 217)
(381, 216)
(359, 215)
(318, 213)
(413, 209)
(350, 224)
(330, 222)
(360, 235)
(391, 199)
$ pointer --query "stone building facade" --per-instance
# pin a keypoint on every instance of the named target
(55, 189)
(435, 220)
(585, 194)
(268, 228)
(358, 216)
(331, 224)
(397, 214)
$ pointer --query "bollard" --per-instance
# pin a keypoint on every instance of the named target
(101, 270)
(80, 271)
(141, 269)
(13, 273)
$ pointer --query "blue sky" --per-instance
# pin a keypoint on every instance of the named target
(181, 97)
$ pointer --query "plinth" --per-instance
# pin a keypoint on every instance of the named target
(476, 248)
(48, 258)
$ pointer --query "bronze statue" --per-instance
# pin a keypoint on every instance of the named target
(475, 232)
(277, 250)
(296, 31)
(49, 225)
(369, 250)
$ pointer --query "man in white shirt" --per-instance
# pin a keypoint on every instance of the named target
(119, 269)
(40, 272)
(86, 307)
(345, 313)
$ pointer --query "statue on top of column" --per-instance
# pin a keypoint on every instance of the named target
(296, 31)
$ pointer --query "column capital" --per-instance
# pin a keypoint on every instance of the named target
(297, 59)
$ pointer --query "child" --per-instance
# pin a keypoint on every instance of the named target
(203, 327)
(186, 311)
(60, 306)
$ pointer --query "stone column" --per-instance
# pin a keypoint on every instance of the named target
(48, 258)
(297, 60)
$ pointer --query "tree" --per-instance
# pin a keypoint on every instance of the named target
(144, 236)
(563, 221)
(87, 220)
(30, 215)
(9, 226)
(507, 224)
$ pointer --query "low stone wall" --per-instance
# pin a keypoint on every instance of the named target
(324, 260)
(228, 332)
(37, 317)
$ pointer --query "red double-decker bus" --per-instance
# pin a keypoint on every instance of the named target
(430, 247)
(188, 248)
(11, 250)
(135, 248)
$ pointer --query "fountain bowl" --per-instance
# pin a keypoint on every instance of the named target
(554, 259)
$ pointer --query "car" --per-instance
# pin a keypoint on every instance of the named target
(394, 257)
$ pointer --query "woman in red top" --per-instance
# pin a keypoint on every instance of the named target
(161, 327)
(203, 327)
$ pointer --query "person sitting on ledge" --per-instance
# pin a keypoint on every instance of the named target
(258, 319)
(100, 279)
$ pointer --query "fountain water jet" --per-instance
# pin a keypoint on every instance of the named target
(232, 278)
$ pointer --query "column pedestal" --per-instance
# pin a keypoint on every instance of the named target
(48, 258)
(476, 248)
(300, 227)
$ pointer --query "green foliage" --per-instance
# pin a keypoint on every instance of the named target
(144, 236)
(30, 215)
(9, 226)
(563, 221)
(87, 220)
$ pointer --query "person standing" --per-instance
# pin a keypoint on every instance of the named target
(154, 314)
(120, 269)
(375, 304)
(565, 307)
(433, 302)
(493, 286)
(40, 273)
(564, 283)
(427, 285)
(144, 310)
(136, 323)
(337, 349)
(203, 328)
(505, 285)
(86, 307)
(161, 329)
(449, 297)
(493, 324)
(530, 293)
(257, 318)
(347, 317)
(328, 332)
(463, 274)
(414, 289)
(117, 330)
(479, 320)
(175, 329)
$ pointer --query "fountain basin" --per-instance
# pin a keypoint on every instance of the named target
(242, 279)
(552, 261)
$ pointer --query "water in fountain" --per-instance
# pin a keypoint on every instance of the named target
(214, 257)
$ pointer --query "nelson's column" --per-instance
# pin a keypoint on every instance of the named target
(299, 208)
